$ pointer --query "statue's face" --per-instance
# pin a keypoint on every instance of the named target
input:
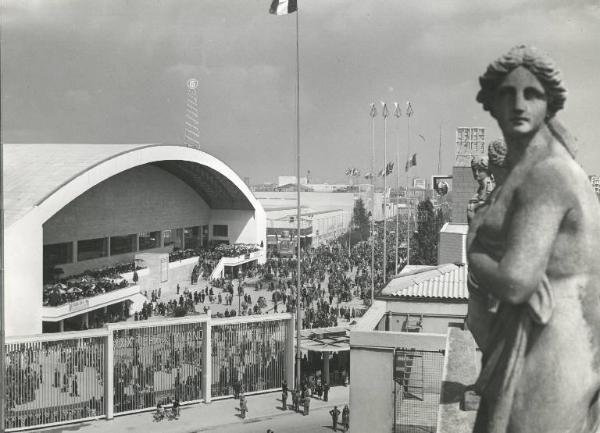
(520, 105)
(480, 174)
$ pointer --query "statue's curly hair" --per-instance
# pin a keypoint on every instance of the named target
(497, 153)
(533, 60)
(480, 162)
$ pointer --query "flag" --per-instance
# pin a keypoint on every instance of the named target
(373, 111)
(411, 162)
(348, 172)
(369, 175)
(409, 109)
(384, 109)
(355, 172)
(422, 137)
(381, 172)
(397, 111)
(389, 168)
(283, 7)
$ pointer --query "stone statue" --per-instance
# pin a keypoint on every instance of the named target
(535, 251)
(481, 173)
(482, 305)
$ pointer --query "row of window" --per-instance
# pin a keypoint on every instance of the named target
(87, 249)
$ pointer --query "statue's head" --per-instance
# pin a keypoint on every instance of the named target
(497, 160)
(537, 63)
(479, 166)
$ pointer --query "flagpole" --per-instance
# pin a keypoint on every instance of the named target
(298, 284)
(373, 113)
(397, 114)
(440, 151)
(408, 114)
(384, 192)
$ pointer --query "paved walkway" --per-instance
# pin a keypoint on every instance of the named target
(206, 417)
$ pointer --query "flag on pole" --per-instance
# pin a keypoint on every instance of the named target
(355, 172)
(384, 109)
(409, 109)
(373, 111)
(381, 172)
(411, 162)
(397, 111)
(389, 168)
(348, 172)
(283, 7)
(369, 175)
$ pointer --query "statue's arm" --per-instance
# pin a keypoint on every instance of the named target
(539, 206)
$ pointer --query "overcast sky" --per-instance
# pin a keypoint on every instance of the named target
(115, 71)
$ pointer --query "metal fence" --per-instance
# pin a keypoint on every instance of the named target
(156, 365)
(248, 356)
(417, 387)
(54, 381)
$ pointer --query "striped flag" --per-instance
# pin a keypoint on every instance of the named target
(283, 7)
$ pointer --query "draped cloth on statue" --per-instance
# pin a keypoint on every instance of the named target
(505, 351)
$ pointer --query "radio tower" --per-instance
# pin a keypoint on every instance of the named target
(191, 133)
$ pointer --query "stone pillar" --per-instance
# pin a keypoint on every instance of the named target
(109, 375)
(206, 360)
(326, 367)
(290, 354)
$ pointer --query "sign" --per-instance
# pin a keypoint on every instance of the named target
(79, 305)
(442, 183)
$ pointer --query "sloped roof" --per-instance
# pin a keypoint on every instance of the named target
(455, 228)
(448, 281)
(33, 172)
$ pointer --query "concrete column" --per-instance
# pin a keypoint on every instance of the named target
(206, 360)
(326, 367)
(61, 326)
(290, 352)
(109, 376)
(74, 251)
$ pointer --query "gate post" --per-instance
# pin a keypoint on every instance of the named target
(109, 375)
(207, 359)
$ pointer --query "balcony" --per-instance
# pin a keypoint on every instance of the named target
(84, 305)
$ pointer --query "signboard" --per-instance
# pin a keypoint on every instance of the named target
(442, 183)
(79, 305)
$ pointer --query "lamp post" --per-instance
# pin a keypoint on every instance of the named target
(385, 116)
(372, 113)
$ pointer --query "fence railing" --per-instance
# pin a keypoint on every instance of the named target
(62, 378)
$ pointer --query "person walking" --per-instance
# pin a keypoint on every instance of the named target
(325, 391)
(284, 399)
(346, 417)
(335, 413)
(243, 405)
(306, 404)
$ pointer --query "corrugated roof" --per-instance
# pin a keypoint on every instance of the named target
(455, 228)
(448, 281)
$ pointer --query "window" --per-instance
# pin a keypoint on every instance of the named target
(173, 238)
(149, 240)
(191, 237)
(122, 244)
(92, 249)
(57, 254)
(220, 230)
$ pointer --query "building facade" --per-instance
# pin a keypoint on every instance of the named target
(79, 207)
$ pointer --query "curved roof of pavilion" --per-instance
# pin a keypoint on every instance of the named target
(33, 173)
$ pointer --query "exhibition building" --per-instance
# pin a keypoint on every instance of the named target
(71, 208)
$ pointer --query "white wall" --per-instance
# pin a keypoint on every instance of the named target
(23, 277)
(452, 248)
(141, 199)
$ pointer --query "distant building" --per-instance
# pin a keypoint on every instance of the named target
(595, 181)
(469, 142)
(285, 180)
(419, 183)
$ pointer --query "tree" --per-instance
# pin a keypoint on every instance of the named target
(360, 219)
(427, 235)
